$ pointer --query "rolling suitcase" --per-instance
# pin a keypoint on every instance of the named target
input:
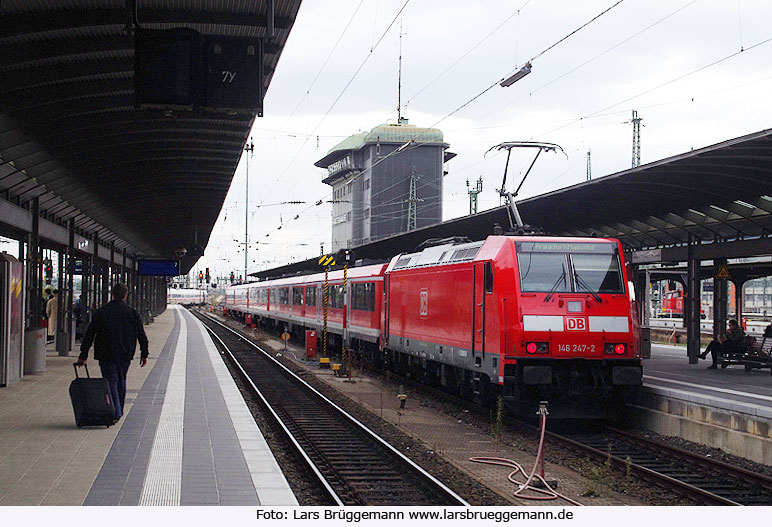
(91, 401)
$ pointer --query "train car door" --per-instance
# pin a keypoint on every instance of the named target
(478, 310)
(386, 280)
(483, 286)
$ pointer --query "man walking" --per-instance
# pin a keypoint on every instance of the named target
(115, 330)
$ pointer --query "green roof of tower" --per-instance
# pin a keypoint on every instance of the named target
(385, 134)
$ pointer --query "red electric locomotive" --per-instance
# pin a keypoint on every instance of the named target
(530, 318)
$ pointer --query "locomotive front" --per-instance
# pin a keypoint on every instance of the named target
(576, 339)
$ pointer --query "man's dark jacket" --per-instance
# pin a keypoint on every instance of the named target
(116, 328)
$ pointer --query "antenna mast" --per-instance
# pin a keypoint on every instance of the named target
(413, 200)
(473, 192)
(399, 78)
(636, 139)
(589, 166)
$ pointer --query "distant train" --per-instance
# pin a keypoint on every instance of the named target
(528, 318)
(186, 296)
(673, 304)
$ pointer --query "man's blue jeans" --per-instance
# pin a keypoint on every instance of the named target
(115, 374)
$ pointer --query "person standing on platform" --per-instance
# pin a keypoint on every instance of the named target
(44, 298)
(76, 310)
(727, 344)
(115, 329)
(52, 310)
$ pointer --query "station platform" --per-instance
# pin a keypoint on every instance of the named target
(186, 438)
(730, 408)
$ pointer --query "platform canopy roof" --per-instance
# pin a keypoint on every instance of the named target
(150, 180)
(717, 194)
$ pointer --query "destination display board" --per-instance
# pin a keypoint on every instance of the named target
(158, 267)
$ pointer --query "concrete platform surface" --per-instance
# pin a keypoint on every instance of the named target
(669, 372)
(728, 409)
(186, 438)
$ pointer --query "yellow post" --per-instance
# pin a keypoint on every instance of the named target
(326, 292)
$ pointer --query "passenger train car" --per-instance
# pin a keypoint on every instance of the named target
(529, 318)
(185, 296)
(298, 303)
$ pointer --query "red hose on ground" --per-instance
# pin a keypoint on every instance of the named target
(546, 493)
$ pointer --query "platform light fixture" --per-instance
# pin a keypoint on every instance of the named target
(519, 74)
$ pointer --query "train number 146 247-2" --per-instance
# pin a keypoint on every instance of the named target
(577, 348)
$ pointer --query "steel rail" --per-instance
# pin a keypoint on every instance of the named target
(410, 463)
(299, 449)
(645, 473)
(739, 473)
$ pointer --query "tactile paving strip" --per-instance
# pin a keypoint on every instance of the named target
(163, 478)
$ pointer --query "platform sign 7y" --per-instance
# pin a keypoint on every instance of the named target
(576, 324)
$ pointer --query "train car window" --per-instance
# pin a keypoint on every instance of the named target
(336, 293)
(262, 296)
(311, 296)
(363, 296)
(543, 272)
(284, 295)
(488, 277)
(297, 296)
(598, 273)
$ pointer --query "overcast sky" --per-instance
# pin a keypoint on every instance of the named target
(677, 62)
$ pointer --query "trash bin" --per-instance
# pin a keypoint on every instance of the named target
(34, 351)
(645, 342)
(310, 344)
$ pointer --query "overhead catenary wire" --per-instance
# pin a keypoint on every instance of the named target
(662, 85)
(594, 58)
(462, 57)
(600, 112)
(457, 109)
(335, 101)
(321, 68)
(740, 22)
(575, 31)
(462, 106)
(498, 82)
(572, 120)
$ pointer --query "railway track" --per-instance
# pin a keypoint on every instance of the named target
(352, 464)
(707, 481)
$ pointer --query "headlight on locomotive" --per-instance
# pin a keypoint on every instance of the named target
(611, 348)
(537, 347)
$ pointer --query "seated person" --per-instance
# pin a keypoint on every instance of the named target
(727, 344)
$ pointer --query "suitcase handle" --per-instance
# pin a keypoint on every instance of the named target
(75, 366)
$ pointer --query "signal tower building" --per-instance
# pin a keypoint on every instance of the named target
(385, 181)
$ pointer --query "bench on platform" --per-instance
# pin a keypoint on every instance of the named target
(756, 354)
(759, 354)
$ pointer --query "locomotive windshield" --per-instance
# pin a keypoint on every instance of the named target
(562, 267)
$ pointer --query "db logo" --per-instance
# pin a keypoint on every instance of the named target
(576, 324)
(424, 302)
